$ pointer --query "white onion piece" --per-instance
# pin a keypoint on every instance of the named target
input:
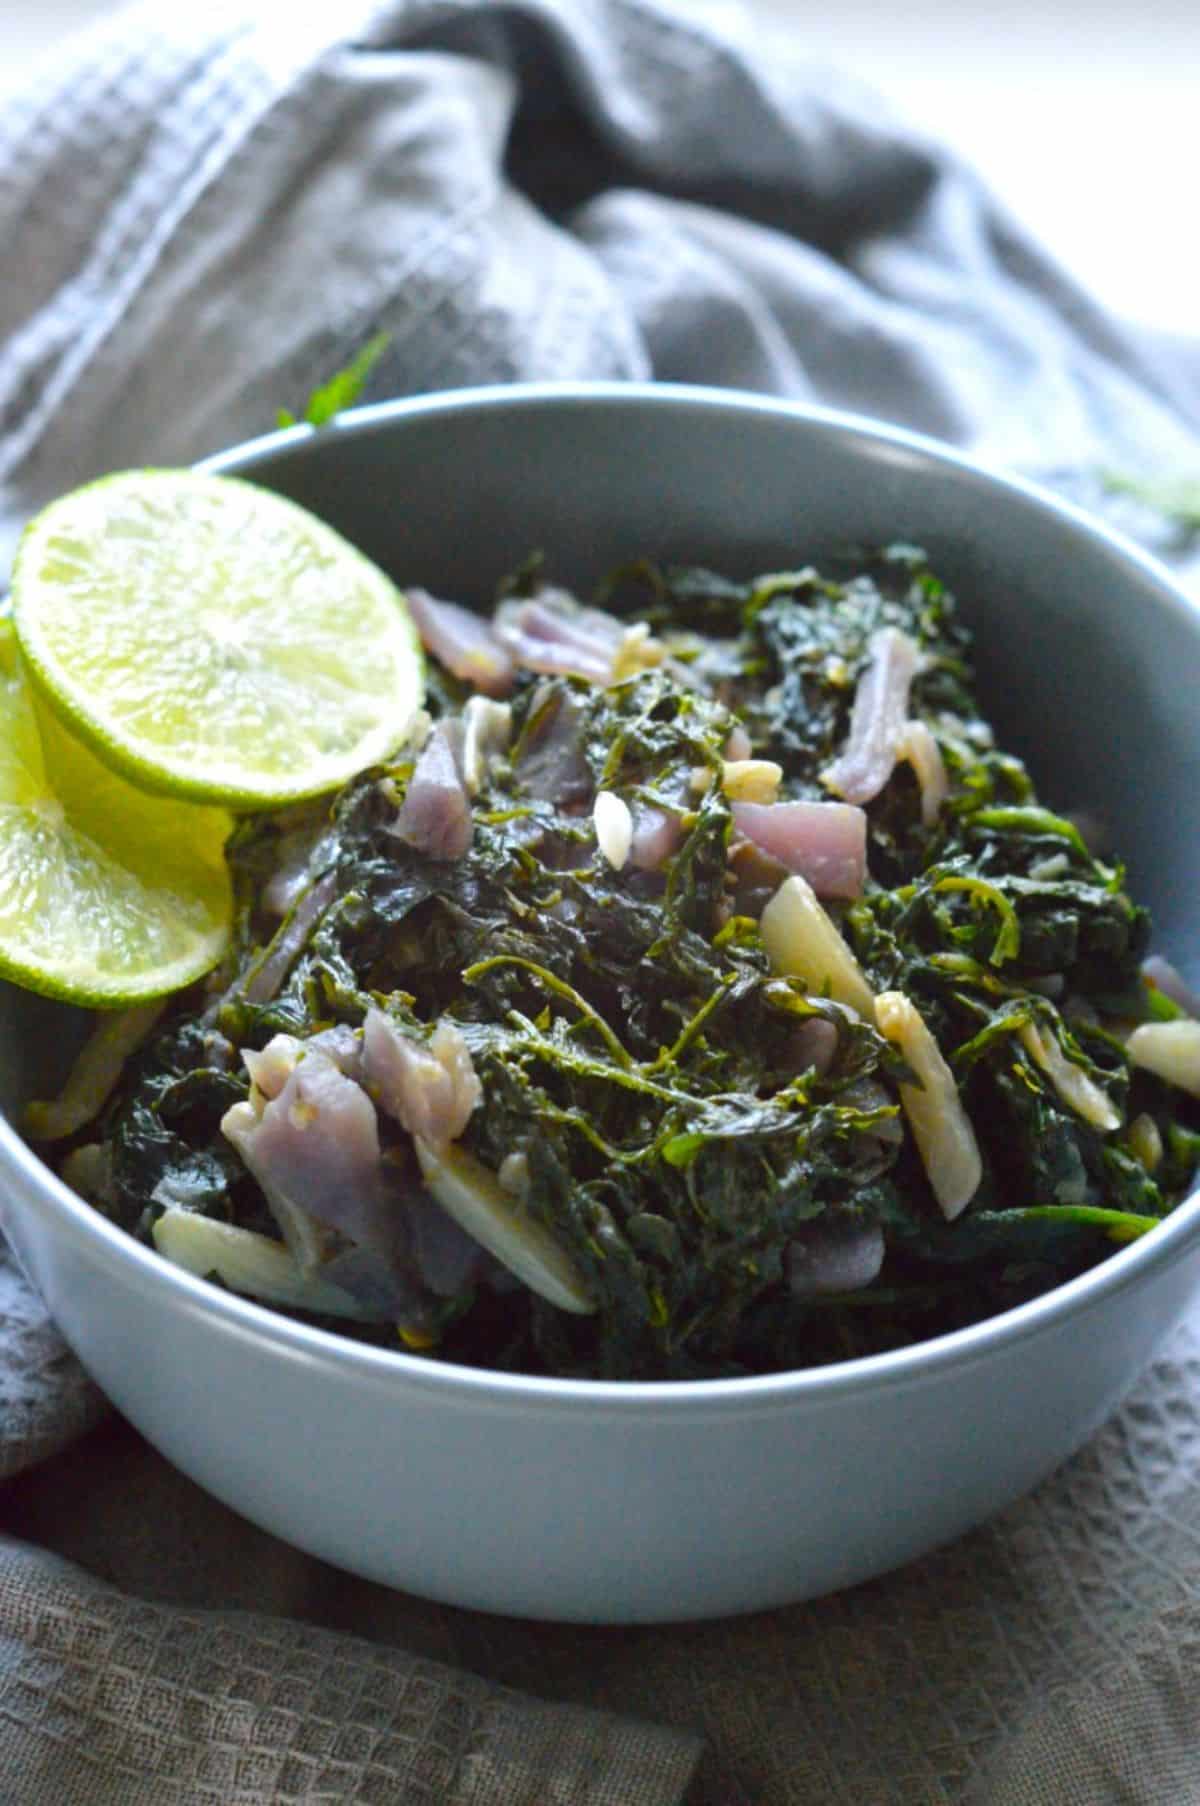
(918, 747)
(803, 942)
(1146, 1142)
(250, 1263)
(88, 1171)
(941, 1127)
(514, 1175)
(478, 1202)
(487, 729)
(1042, 870)
(1170, 1049)
(1073, 1085)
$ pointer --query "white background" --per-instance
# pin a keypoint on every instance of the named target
(1084, 115)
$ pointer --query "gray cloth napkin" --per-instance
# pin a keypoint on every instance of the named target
(200, 221)
(112, 1701)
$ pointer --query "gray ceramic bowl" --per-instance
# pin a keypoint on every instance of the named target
(610, 1502)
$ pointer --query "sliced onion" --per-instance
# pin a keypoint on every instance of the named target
(474, 1197)
(941, 1127)
(429, 1087)
(803, 942)
(487, 729)
(656, 836)
(918, 747)
(877, 720)
(289, 941)
(1074, 1086)
(466, 643)
(252, 1264)
(435, 816)
(826, 843)
(1170, 1049)
(98, 1066)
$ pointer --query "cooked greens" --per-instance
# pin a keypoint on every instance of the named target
(700, 1156)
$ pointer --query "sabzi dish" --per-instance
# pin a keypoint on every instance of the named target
(700, 992)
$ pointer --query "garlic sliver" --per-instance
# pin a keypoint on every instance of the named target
(614, 828)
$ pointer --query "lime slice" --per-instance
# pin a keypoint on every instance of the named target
(107, 895)
(212, 640)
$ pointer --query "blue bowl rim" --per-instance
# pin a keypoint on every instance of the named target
(1126, 1268)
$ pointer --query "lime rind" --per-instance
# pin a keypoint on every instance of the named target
(211, 640)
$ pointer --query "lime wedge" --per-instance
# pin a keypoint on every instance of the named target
(212, 640)
(107, 895)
